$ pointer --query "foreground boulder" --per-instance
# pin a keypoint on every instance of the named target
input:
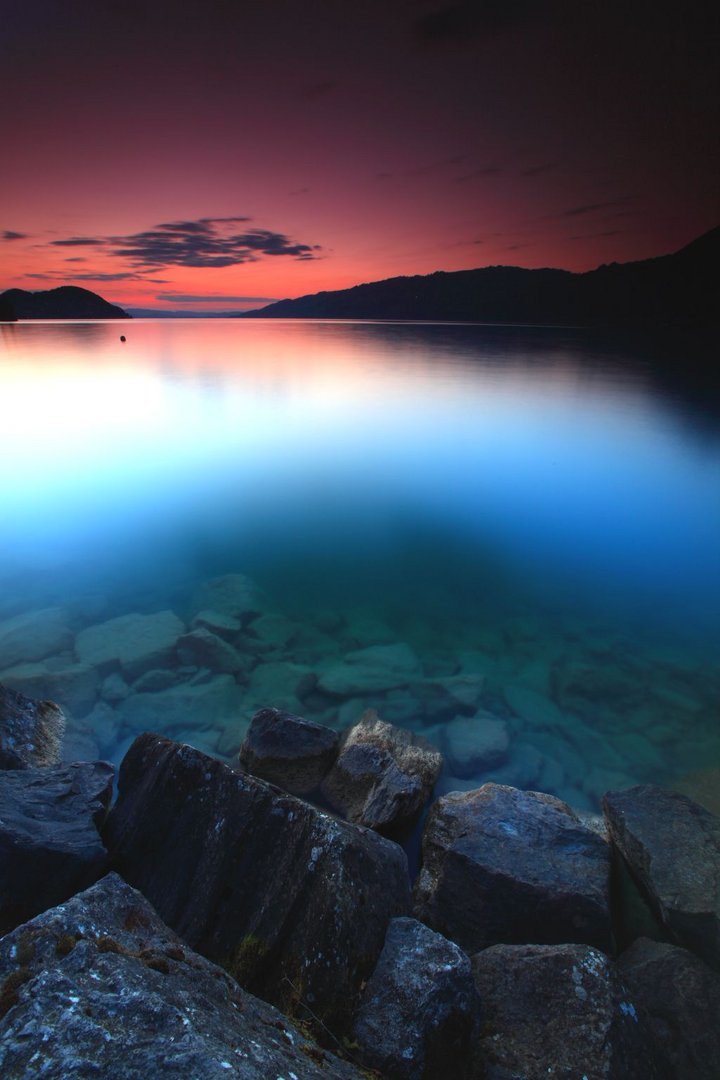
(558, 1010)
(288, 899)
(49, 842)
(99, 986)
(383, 776)
(289, 751)
(503, 865)
(418, 1009)
(678, 997)
(672, 846)
(31, 732)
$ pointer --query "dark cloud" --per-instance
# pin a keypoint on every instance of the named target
(474, 18)
(179, 298)
(299, 191)
(76, 258)
(10, 234)
(207, 242)
(536, 170)
(596, 235)
(591, 208)
(487, 170)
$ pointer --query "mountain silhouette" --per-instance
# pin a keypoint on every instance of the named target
(66, 302)
(670, 289)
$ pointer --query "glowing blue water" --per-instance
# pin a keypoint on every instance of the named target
(533, 497)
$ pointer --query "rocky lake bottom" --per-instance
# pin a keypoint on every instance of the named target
(554, 703)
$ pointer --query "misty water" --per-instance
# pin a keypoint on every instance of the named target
(522, 526)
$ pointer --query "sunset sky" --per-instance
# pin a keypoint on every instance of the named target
(217, 155)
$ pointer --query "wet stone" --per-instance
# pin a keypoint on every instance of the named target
(558, 1010)
(31, 732)
(73, 686)
(49, 841)
(293, 902)
(203, 648)
(135, 643)
(100, 986)
(207, 704)
(383, 775)
(678, 998)
(289, 751)
(502, 865)
(672, 847)
(417, 1010)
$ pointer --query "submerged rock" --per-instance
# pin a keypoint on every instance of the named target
(288, 899)
(207, 704)
(31, 732)
(136, 643)
(383, 775)
(73, 686)
(203, 648)
(100, 986)
(672, 846)
(417, 1010)
(560, 1011)
(475, 743)
(289, 751)
(502, 865)
(378, 667)
(233, 595)
(678, 998)
(49, 842)
(33, 635)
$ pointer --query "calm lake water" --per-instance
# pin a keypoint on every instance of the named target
(522, 525)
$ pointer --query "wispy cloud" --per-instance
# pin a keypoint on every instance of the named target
(591, 208)
(206, 242)
(10, 234)
(537, 170)
(477, 174)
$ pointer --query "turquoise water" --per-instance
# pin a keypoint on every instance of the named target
(533, 513)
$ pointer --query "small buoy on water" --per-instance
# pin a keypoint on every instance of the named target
(122, 337)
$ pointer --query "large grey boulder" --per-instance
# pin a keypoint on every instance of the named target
(503, 865)
(419, 1006)
(291, 901)
(288, 750)
(558, 1011)
(383, 775)
(49, 841)
(672, 846)
(135, 643)
(33, 635)
(369, 670)
(31, 732)
(101, 987)
(678, 998)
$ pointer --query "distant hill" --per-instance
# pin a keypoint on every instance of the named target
(67, 302)
(671, 289)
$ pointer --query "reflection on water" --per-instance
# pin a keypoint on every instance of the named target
(521, 506)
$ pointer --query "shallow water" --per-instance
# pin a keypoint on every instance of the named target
(536, 510)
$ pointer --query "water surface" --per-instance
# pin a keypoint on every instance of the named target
(537, 510)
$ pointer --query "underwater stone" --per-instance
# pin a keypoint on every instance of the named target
(558, 1010)
(474, 743)
(205, 705)
(383, 775)
(678, 998)
(502, 865)
(72, 686)
(233, 594)
(136, 642)
(100, 986)
(417, 1010)
(672, 846)
(33, 635)
(271, 631)
(291, 901)
(114, 688)
(31, 732)
(378, 667)
(49, 842)
(286, 750)
(223, 625)
(202, 648)
(279, 684)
